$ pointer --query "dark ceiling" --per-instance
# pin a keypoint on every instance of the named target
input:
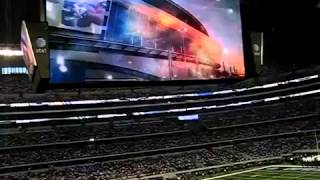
(266, 14)
(291, 29)
(259, 15)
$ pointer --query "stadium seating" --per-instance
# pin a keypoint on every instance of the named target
(158, 145)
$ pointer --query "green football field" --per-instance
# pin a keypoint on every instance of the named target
(271, 174)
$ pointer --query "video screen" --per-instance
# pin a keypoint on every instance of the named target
(80, 15)
(147, 40)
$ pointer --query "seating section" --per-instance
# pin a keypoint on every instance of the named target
(158, 146)
(173, 162)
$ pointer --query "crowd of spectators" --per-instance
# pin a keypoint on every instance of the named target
(215, 140)
(63, 152)
(262, 113)
(85, 132)
(174, 162)
(256, 150)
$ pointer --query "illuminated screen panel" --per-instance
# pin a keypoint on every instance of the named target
(148, 40)
(80, 15)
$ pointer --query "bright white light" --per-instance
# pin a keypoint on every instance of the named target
(52, 119)
(189, 117)
(311, 158)
(9, 52)
(272, 99)
(63, 69)
(30, 121)
(109, 77)
(91, 139)
(231, 11)
(106, 116)
(60, 60)
(88, 102)
(61, 63)
(226, 51)
(50, 6)
(20, 105)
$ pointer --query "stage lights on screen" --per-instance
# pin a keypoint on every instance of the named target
(109, 77)
(230, 11)
(61, 62)
(152, 43)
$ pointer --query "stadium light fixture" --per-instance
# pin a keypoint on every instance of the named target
(10, 52)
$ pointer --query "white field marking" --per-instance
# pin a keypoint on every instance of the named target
(250, 170)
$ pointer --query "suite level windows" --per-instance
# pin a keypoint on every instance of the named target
(13, 70)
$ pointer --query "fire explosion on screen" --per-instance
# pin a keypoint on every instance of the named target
(195, 39)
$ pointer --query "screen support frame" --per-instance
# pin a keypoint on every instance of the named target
(43, 9)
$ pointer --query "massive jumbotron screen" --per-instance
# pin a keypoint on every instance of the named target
(148, 40)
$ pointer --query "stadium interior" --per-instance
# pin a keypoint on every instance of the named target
(159, 90)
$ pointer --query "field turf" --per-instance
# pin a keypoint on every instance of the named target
(273, 174)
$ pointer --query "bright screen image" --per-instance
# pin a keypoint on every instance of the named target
(86, 16)
(159, 40)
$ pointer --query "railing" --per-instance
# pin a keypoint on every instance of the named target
(128, 48)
